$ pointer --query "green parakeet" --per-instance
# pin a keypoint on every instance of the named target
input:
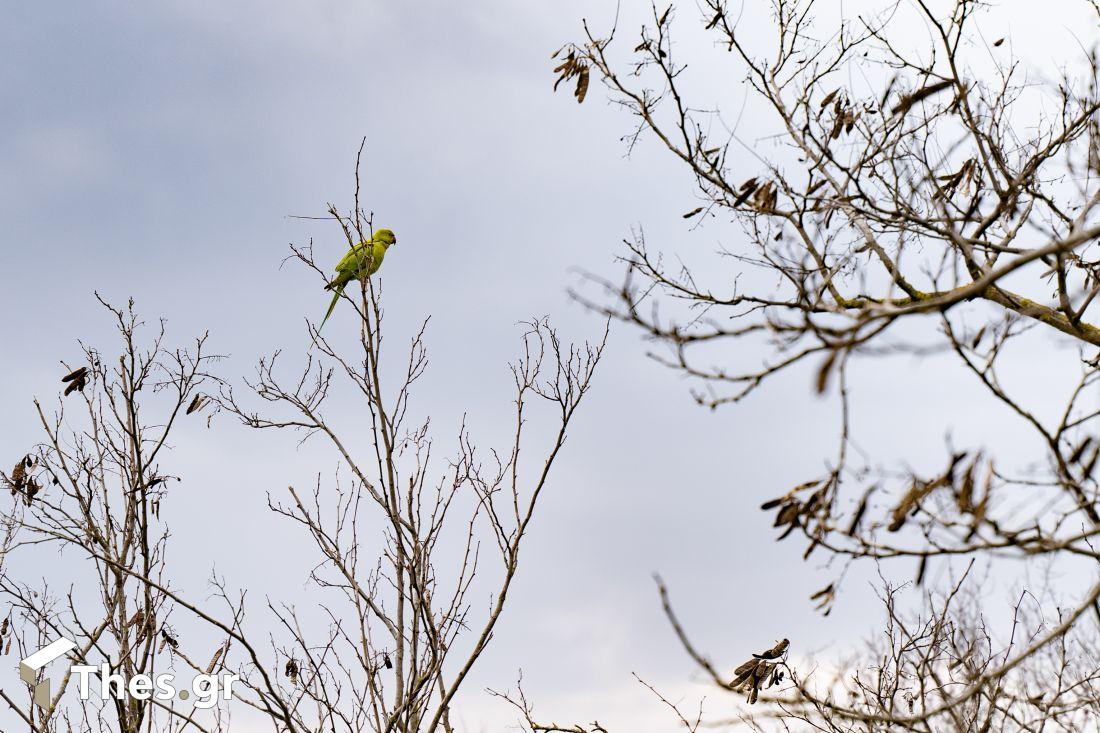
(361, 261)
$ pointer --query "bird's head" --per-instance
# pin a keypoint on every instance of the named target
(386, 237)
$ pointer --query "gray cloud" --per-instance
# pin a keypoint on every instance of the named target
(155, 151)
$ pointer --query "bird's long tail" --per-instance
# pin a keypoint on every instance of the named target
(331, 306)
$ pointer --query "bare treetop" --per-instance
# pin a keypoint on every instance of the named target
(926, 192)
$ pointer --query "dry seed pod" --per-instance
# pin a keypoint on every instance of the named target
(18, 476)
(838, 124)
(746, 667)
(197, 404)
(772, 503)
(582, 84)
(743, 679)
(31, 490)
(168, 639)
(964, 500)
(854, 526)
(909, 100)
(216, 658)
(572, 66)
(77, 379)
(76, 374)
(776, 651)
(787, 514)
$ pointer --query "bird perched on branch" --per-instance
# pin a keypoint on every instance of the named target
(361, 261)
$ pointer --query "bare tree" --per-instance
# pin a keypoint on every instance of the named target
(928, 194)
(86, 503)
(415, 556)
(409, 548)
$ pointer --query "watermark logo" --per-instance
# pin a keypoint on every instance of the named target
(206, 688)
(29, 667)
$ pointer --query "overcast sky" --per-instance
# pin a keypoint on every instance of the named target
(156, 150)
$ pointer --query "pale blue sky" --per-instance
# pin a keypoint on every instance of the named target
(155, 151)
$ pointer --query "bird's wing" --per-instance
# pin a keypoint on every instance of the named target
(350, 259)
(378, 252)
(359, 261)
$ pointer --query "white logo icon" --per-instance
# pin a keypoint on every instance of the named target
(29, 667)
(206, 688)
